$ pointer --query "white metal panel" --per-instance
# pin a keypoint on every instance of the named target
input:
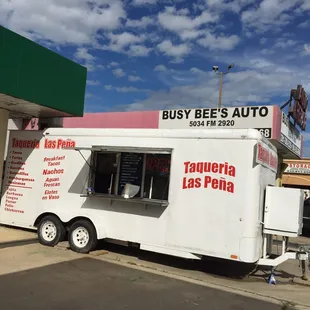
(163, 133)
(283, 211)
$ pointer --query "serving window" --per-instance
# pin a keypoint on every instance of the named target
(143, 174)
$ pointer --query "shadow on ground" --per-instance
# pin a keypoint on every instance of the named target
(217, 267)
(94, 285)
(7, 244)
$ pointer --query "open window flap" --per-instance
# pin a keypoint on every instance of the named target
(127, 149)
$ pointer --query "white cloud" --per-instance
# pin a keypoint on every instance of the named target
(93, 83)
(62, 21)
(219, 43)
(140, 23)
(85, 58)
(267, 51)
(134, 78)
(89, 95)
(118, 72)
(183, 25)
(269, 15)
(143, 2)
(83, 54)
(127, 43)
(305, 24)
(260, 63)
(139, 51)
(234, 5)
(263, 41)
(284, 43)
(125, 89)
(160, 68)
(119, 41)
(114, 64)
(167, 48)
(306, 50)
(196, 70)
(196, 88)
(306, 5)
(128, 89)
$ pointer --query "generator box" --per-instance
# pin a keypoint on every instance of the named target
(283, 212)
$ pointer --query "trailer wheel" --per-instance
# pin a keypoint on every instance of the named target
(82, 237)
(51, 231)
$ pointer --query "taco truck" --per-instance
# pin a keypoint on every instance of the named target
(186, 193)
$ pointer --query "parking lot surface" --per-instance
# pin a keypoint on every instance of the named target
(91, 284)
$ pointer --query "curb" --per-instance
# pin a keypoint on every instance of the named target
(299, 281)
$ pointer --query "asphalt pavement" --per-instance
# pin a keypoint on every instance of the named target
(91, 284)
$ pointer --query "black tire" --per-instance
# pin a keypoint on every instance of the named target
(79, 246)
(51, 222)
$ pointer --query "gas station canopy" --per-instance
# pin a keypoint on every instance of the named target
(36, 82)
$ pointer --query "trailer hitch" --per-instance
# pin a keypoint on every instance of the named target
(303, 255)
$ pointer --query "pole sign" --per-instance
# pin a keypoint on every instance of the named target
(290, 136)
(257, 117)
(299, 109)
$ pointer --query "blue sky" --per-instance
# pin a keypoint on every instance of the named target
(158, 54)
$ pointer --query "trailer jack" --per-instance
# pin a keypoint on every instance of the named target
(272, 278)
(303, 255)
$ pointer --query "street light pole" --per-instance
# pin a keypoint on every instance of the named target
(221, 74)
(220, 90)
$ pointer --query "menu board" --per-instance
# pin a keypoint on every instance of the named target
(19, 179)
(131, 168)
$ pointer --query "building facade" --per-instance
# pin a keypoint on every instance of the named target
(35, 82)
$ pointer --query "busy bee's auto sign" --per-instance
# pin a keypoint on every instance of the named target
(258, 117)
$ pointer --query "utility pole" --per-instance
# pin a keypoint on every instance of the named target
(221, 90)
(221, 74)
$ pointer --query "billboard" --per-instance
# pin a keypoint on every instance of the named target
(258, 117)
(269, 120)
(290, 137)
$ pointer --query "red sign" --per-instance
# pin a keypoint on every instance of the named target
(299, 110)
(266, 157)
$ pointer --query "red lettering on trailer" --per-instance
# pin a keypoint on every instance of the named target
(53, 171)
(207, 167)
(13, 210)
(191, 183)
(219, 184)
(59, 144)
(267, 157)
(25, 144)
(209, 181)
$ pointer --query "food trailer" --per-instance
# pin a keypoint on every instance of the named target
(181, 192)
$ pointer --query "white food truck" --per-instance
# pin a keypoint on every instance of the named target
(186, 193)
